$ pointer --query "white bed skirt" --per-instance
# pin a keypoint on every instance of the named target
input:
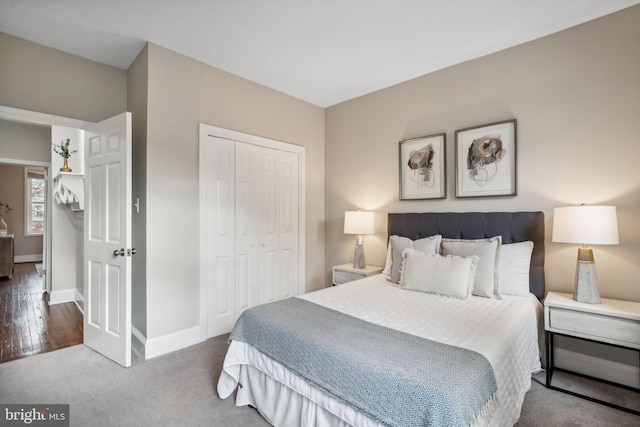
(283, 407)
(281, 397)
(280, 405)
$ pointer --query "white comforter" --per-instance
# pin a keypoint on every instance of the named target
(505, 331)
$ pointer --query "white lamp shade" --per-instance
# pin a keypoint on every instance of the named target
(358, 222)
(591, 225)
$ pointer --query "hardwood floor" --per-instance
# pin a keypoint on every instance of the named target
(28, 325)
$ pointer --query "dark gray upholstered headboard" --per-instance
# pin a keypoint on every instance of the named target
(512, 226)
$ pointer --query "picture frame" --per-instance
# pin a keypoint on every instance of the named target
(486, 160)
(422, 168)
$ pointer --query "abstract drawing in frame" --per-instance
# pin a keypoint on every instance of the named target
(422, 168)
(486, 160)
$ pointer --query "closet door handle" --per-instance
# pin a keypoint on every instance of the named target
(120, 252)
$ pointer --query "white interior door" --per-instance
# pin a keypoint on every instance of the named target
(107, 238)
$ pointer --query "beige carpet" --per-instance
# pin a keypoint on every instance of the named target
(178, 389)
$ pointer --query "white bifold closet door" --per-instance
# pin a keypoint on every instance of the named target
(252, 204)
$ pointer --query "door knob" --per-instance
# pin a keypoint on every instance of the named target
(120, 252)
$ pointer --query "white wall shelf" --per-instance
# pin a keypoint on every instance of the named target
(68, 188)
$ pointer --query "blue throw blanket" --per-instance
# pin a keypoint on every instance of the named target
(392, 377)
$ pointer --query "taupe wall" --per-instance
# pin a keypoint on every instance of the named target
(37, 78)
(21, 141)
(28, 143)
(12, 192)
(576, 96)
(181, 94)
(137, 89)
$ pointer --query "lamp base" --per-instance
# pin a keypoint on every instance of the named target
(586, 284)
(358, 257)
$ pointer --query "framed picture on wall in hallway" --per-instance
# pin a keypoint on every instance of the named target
(486, 160)
(422, 168)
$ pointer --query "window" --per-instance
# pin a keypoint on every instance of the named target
(35, 201)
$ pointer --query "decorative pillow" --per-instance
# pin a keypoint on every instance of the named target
(428, 245)
(513, 269)
(451, 275)
(387, 265)
(488, 250)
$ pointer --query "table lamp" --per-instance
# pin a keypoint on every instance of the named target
(596, 225)
(359, 223)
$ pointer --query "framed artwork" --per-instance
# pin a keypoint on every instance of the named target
(422, 168)
(486, 160)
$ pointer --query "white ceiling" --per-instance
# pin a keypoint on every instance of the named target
(320, 51)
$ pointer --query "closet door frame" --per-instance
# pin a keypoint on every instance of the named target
(207, 131)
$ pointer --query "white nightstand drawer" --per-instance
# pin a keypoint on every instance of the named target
(600, 327)
(341, 276)
(347, 273)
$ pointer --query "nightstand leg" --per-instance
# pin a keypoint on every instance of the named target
(549, 348)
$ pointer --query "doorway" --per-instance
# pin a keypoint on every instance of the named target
(30, 325)
(100, 281)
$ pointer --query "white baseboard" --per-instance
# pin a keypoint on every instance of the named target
(27, 258)
(60, 297)
(79, 300)
(138, 341)
(600, 368)
(155, 347)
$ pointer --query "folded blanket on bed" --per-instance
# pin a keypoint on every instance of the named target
(392, 377)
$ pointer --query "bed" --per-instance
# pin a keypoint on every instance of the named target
(407, 350)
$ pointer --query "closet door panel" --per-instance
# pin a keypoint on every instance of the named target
(288, 182)
(247, 286)
(268, 276)
(243, 283)
(220, 235)
(267, 199)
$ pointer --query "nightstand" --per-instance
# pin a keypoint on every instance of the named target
(613, 322)
(346, 273)
(6, 256)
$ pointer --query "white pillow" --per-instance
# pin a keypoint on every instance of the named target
(488, 250)
(387, 265)
(513, 269)
(428, 245)
(452, 276)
